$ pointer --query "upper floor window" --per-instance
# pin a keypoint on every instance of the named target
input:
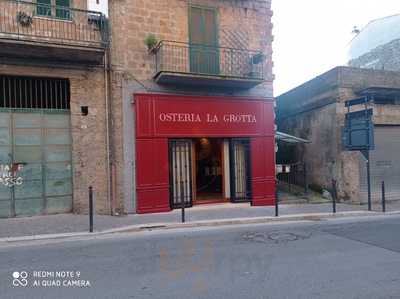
(203, 40)
(203, 26)
(54, 8)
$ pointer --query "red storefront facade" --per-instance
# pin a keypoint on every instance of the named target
(169, 127)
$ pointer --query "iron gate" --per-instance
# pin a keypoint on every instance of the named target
(240, 170)
(180, 156)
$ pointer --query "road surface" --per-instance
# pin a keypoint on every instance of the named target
(343, 258)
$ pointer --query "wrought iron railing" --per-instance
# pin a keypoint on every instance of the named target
(22, 20)
(185, 58)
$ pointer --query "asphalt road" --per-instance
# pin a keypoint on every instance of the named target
(356, 258)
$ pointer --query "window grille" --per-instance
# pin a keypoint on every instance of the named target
(34, 93)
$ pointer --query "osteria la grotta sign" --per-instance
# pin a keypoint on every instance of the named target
(174, 117)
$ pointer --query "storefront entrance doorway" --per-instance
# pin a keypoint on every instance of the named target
(209, 170)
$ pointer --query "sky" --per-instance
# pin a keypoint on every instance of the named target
(312, 36)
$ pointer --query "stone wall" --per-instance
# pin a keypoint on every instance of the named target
(242, 23)
(88, 132)
(320, 154)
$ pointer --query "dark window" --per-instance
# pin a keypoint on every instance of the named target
(34, 93)
(62, 9)
(57, 8)
(44, 7)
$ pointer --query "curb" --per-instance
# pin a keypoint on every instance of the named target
(193, 224)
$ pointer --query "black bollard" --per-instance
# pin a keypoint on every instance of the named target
(305, 179)
(383, 197)
(276, 203)
(91, 209)
(183, 202)
(334, 194)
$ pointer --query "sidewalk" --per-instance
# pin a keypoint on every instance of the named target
(71, 223)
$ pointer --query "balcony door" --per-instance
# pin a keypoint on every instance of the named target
(203, 40)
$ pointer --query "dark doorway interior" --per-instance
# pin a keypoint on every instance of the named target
(209, 169)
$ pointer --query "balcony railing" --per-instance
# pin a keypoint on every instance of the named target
(35, 22)
(204, 60)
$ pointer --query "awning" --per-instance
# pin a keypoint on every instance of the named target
(279, 136)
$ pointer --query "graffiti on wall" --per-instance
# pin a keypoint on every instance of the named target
(9, 175)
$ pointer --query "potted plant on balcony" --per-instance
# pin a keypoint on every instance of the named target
(151, 42)
(258, 58)
(24, 19)
(256, 69)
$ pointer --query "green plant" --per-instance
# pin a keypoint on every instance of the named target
(150, 41)
(24, 19)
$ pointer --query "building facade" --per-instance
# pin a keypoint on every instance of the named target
(51, 68)
(86, 102)
(197, 109)
(377, 45)
(316, 111)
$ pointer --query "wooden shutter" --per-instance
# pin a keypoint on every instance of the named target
(210, 27)
(196, 26)
(203, 39)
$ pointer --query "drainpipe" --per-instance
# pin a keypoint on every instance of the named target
(110, 166)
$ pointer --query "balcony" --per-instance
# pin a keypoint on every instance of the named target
(201, 65)
(51, 34)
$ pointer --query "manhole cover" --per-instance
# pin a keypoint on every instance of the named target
(283, 237)
(275, 237)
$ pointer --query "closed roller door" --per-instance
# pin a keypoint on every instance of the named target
(40, 142)
(385, 165)
(5, 159)
(35, 146)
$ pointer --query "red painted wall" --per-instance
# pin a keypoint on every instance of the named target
(159, 117)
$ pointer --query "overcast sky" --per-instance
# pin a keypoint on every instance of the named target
(311, 36)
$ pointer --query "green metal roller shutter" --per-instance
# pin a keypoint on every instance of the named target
(40, 142)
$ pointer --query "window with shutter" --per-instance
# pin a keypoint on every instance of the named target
(61, 10)
(203, 40)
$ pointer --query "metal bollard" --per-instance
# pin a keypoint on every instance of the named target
(182, 203)
(276, 203)
(334, 194)
(305, 178)
(383, 197)
(91, 209)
